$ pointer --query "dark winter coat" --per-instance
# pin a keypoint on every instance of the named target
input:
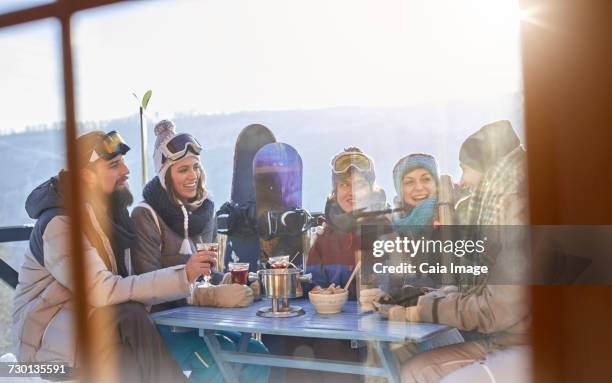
(332, 257)
(43, 305)
(160, 235)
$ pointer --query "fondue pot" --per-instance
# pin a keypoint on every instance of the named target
(280, 285)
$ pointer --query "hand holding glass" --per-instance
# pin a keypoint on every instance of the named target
(213, 247)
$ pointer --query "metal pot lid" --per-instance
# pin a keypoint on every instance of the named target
(280, 271)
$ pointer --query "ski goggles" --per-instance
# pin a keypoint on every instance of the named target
(343, 161)
(180, 144)
(109, 146)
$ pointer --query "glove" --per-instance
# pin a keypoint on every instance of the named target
(406, 296)
(402, 314)
(367, 296)
(227, 279)
(255, 286)
(228, 295)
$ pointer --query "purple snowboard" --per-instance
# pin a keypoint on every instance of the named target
(277, 168)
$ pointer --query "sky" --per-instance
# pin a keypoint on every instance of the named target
(227, 56)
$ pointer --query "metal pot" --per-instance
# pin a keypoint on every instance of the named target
(281, 283)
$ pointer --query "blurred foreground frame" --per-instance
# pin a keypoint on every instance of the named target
(567, 72)
(63, 11)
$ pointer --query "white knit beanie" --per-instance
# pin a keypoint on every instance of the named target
(164, 132)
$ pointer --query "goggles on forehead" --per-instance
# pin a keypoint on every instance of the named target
(343, 161)
(178, 146)
(109, 146)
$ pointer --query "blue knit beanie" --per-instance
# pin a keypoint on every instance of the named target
(411, 162)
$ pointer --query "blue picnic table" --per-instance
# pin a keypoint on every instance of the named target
(350, 324)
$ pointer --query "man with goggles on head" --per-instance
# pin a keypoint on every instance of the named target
(43, 301)
(353, 178)
(332, 256)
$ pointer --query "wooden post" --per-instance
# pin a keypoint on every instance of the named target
(446, 211)
(567, 69)
(143, 147)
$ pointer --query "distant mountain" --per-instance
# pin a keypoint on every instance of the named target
(386, 134)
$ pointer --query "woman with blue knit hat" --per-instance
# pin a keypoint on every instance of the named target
(498, 315)
(415, 177)
(175, 215)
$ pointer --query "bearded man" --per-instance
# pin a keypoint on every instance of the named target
(43, 309)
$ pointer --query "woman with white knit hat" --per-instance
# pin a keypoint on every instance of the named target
(176, 214)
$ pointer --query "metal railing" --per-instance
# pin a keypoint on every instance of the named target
(9, 275)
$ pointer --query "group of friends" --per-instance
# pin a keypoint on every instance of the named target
(148, 260)
(493, 317)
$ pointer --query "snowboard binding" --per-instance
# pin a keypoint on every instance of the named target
(237, 219)
(285, 223)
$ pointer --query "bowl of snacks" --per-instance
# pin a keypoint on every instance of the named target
(328, 300)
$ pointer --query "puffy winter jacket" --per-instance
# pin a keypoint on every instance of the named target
(501, 311)
(157, 246)
(43, 306)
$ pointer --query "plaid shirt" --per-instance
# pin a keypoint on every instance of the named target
(502, 185)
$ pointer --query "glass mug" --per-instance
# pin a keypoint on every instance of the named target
(211, 246)
(239, 272)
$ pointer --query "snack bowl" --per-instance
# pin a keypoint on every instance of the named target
(328, 303)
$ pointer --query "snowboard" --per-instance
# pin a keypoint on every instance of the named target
(277, 169)
(237, 218)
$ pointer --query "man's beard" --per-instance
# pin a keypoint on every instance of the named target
(121, 198)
